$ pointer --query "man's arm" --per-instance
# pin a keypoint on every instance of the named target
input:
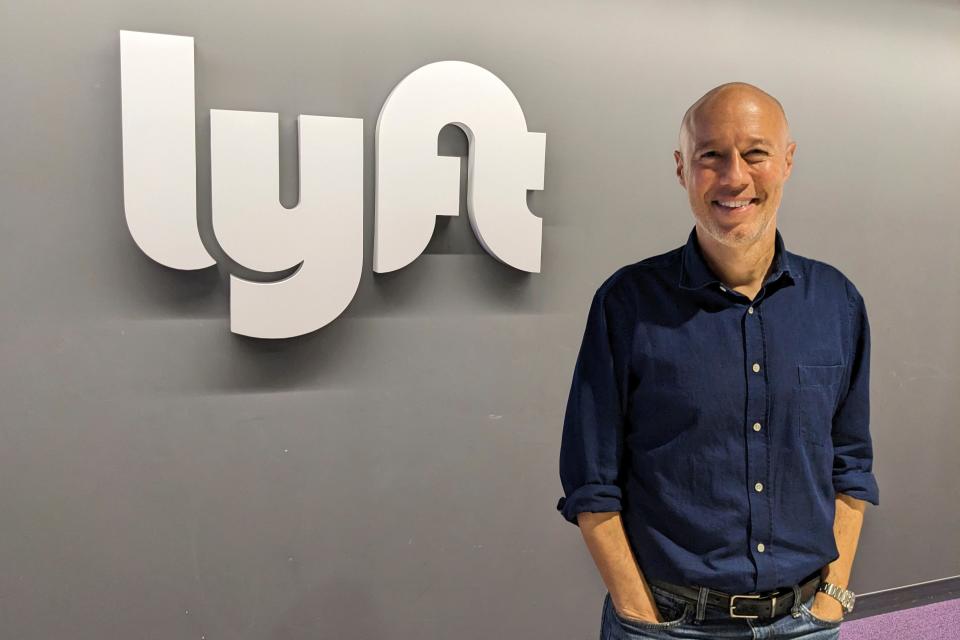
(593, 447)
(853, 479)
(607, 542)
(846, 529)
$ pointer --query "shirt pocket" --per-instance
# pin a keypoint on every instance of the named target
(819, 388)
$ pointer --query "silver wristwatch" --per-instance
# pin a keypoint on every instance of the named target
(844, 596)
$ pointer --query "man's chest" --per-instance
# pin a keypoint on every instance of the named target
(699, 368)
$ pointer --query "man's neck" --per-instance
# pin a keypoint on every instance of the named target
(743, 270)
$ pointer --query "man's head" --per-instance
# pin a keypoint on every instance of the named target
(735, 149)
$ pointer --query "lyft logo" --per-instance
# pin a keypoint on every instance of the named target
(323, 235)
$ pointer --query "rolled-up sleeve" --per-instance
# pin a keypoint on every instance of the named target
(852, 446)
(593, 428)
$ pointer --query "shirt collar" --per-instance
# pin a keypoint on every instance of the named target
(694, 272)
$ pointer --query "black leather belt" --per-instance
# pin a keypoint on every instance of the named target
(770, 604)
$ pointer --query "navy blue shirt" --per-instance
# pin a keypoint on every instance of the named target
(721, 427)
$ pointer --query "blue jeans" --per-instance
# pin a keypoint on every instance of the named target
(714, 623)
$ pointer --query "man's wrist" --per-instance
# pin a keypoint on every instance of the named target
(843, 597)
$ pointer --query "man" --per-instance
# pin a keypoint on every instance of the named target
(716, 451)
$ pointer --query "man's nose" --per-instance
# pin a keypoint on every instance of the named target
(734, 171)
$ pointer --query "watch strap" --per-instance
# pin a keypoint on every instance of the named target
(844, 596)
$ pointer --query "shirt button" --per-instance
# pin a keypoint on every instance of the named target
(756, 367)
(758, 486)
(756, 426)
(760, 547)
(749, 309)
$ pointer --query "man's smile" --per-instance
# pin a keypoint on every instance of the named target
(734, 205)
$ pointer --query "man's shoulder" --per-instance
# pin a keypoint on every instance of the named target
(632, 277)
(823, 274)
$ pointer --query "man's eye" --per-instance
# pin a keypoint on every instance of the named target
(708, 154)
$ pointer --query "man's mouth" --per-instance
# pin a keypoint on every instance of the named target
(734, 205)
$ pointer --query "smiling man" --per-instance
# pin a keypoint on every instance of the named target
(716, 450)
(735, 156)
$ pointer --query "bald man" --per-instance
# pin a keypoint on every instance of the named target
(716, 451)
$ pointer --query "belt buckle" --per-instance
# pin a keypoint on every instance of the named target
(773, 605)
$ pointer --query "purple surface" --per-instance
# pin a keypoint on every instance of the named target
(937, 621)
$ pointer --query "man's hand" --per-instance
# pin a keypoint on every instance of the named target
(607, 541)
(826, 607)
(642, 617)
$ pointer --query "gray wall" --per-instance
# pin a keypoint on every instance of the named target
(395, 473)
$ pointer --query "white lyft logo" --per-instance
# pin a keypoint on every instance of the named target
(323, 234)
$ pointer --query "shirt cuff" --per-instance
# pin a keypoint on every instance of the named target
(858, 484)
(596, 498)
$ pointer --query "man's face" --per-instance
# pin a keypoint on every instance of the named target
(735, 159)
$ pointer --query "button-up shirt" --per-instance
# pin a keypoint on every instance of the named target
(719, 426)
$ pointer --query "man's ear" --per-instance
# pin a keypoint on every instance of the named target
(678, 158)
(788, 158)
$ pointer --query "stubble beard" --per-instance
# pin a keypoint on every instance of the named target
(738, 236)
